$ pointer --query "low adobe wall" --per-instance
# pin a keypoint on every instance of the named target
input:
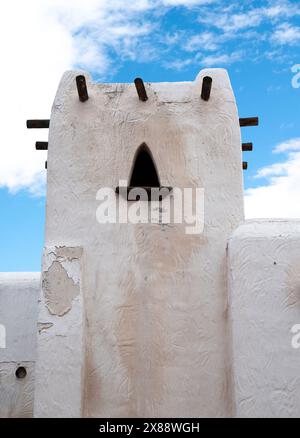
(18, 317)
(264, 295)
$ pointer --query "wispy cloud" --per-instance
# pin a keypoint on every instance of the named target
(203, 40)
(179, 64)
(276, 169)
(254, 25)
(285, 33)
(221, 59)
(281, 192)
(230, 22)
(187, 3)
(240, 16)
(287, 146)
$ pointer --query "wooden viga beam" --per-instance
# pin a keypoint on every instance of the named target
(247, 147)
(249, 121)
(41, 145)
(245, 165)
(141, 90)
(82, 88)
(206, 88)
(38, 124)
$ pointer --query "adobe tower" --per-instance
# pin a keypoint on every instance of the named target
(133, 316)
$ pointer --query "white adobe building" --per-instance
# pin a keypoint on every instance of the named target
(143, 319)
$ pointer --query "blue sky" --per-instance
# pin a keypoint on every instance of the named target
(159, 40)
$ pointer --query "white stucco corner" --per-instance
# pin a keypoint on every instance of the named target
(264, 291)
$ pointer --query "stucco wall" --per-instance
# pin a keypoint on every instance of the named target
(155, 297)
(18, 314)
(264, 287)
(60, 364)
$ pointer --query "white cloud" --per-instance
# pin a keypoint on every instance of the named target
(187, 2)
(237, 22)
(236, 18)
(179, 64)
(276, 169)
(39, 40)
(281, 192)
(201, 60)
(289, 145)
(282, 9)
(229, 21)
(35, 50)
(202, 41)
(286, 34)
(220, 59)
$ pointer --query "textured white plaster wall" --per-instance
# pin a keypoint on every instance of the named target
(60, 355)
(18, 313)
(264, 283)
(155, 298)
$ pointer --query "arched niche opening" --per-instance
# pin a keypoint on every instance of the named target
(144, 175)
(144, 172)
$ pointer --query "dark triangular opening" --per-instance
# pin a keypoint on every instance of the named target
(144, 173)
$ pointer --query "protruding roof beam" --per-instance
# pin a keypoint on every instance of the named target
(82, 88)
(140, 88)
(247, 147)
(41, 145)
(37, 124)
(206, 88)
(249, 121)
